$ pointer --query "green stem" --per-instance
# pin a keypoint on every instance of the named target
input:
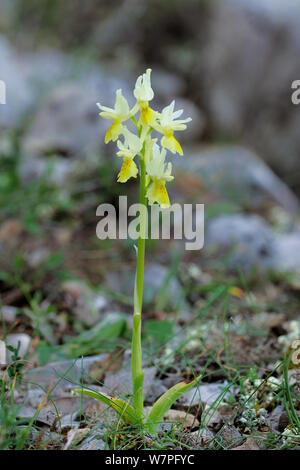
(136, 349)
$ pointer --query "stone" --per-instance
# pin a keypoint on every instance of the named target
(252, 239)
(186, 420)
(287, 253)
(267, 321)
(202, 437)
(92, 444)
(42, 437)
(212, 418)
(249, 444)
(66, 125)
(51, 412)
(284, 421)
(249, 94)
(255, 243)
(18, 338)
(230, 437)
(87, 305)
(2, 354)
(154, 278)
(37, 257)
(9, 313)
(120, 382)
(74, 436)
(18, 95)
(164, 428)
(28, 77)
(204, 394)
(275, 416)
(156, 390)
(238, 175)
(95, 439)
(67, 374)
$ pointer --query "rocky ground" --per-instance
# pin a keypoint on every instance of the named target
(230, 311)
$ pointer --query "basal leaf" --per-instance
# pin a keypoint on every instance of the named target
(164, 403)
(124, 410)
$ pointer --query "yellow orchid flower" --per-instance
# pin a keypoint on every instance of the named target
(158, 176)
(168, 124)
(128, 150)
(118, 114)
(143, 94)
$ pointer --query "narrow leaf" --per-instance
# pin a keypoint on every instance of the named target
(126, 411)
(164, 403)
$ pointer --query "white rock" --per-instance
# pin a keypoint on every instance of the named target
(255, 243)
(14, 339)
(248, 92)
(88, 306)
(2, 353)
(238, 174)
(205, 394)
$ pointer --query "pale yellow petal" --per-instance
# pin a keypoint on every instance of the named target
(157, 193)
(148, 115)
(114, 131)
(128, 170)
(169, 142)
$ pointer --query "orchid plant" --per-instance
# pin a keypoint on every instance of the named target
(154, 173)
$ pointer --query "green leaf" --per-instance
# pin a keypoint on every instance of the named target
(18, 263)
(101, 335)
(53, 261)
(164, 403)
(31, 223)
(124, 410)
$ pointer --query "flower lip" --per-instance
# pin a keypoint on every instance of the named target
(158, 175)
(128, 170)
(157, 193)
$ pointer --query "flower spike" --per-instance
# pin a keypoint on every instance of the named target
(143, 145)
